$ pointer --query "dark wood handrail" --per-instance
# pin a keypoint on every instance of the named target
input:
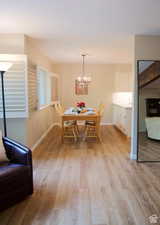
(150, 74)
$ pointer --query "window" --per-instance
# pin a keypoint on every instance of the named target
(54, 88)
(48, 91)
(15, 84)
(44, 88)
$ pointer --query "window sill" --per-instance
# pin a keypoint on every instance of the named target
(44, 107)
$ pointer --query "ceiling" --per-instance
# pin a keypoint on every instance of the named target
(64, 29)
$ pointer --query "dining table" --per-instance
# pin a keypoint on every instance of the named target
(89, 114)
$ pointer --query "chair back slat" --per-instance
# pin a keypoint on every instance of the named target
(59, 108)
(101, 109)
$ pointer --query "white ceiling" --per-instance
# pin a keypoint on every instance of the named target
(66, 28)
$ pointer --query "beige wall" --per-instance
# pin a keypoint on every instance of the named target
(41, 120)
(145, 47)
(38, 123)
(100, 89)
(12, 43)
(123, 78)
(36, 56)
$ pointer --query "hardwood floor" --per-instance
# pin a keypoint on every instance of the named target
(88, 184)
(149, 150)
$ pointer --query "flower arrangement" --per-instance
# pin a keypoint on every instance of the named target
(81, 104)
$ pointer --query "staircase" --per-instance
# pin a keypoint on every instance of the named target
(151, 73)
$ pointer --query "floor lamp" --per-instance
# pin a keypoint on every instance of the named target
(4, 66)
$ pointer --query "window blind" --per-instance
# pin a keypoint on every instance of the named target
(15, 85)
(32, 87)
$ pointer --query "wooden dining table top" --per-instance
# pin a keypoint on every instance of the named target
(81, 116)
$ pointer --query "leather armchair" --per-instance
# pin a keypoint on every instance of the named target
(16, 175)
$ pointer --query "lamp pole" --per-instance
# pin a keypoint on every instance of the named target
(3, 103)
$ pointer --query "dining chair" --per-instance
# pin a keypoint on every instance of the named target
(69, 126)
(59, 108)
(91, 127)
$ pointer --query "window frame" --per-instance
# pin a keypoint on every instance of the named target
(49, 77)
(56, 76)
(39, 105)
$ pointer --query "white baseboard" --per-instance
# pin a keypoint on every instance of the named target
(103, 123)
(133, 156)
(44, 135)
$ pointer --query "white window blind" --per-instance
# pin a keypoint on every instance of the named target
(15, 85)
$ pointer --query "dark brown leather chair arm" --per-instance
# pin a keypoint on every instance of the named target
(17, 153)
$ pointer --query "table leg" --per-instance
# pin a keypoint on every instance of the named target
(98, 128)
(62, 131)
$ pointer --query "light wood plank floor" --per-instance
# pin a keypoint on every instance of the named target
(149, 150)
(88, 184)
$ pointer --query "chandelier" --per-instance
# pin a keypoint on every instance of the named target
(83, 80)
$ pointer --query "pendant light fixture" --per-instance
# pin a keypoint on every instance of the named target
(83, 80)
